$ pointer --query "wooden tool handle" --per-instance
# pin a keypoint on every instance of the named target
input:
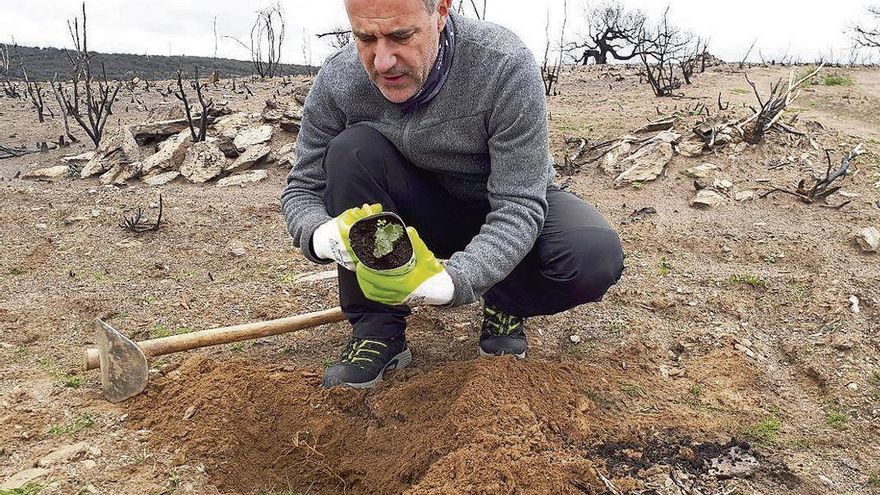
(227, 335)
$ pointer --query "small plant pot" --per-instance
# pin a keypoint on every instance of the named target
(380, 242)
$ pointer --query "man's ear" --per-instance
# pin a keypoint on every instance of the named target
(443, 10)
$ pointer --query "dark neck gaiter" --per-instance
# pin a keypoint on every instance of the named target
(439, 73)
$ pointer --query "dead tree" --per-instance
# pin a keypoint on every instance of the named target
(822, 188)
(10, 88)
(136, 223)
(755, 126)
(612, 30)
(267, 38)
(56, 90)
(865, 36)
(661, 48)
(475, 7)
(689, 64)
(196, 85)
(338, 38)
(97, 95)
(550, 69)
(35, 93)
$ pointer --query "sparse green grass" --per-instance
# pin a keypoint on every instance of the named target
(619, 327)
(696, 391)
(596, 397)
(30, 488)
(147, 299)
(749, 279)
(837, 419)
(633, 389)
(100, 276)
(71, 381)
(741, 91)
(160, 330)
(664, 266)
(16, 270)
(236, 347)
(874, 479)
(287, 278)
(581, 349)
(765, 431)
(79, 424)
(328, 361)
(837, 80)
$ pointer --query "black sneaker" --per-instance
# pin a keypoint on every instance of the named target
(363, 362)
(502, 334)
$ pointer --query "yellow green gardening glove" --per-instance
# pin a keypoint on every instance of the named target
(330, 240)
(426, 283)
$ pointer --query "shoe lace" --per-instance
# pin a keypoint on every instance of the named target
(497, 322)
(362, 351)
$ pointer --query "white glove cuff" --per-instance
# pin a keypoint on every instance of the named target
(327, 244)
(437, 291)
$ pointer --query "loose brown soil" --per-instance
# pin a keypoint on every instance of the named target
(363, 239)
(730, 326)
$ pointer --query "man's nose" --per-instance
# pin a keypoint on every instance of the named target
(385, 59)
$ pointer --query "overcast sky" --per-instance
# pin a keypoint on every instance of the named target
(803, 28)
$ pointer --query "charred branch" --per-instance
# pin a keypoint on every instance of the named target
(137, 224)
(821, 188)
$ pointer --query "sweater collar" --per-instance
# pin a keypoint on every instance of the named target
(439, 73)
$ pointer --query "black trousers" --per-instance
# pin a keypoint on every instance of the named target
(575, 259)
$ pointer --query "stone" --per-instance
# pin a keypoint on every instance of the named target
(707, 198)
(287, 155)
(189, 413)
(64, 455)
(271, 112)
(853, 387)
(203, 162)
(48, 172)
(249, 158)
(722, 184)
(117, 148)
(645, 164)
(701, 171)
(162, 179)
(252, 136)
(690, 148)
(152, 132)
(22, 478)
(667, 137)
(747, 195)
(238, 252)
(243, 178)
(81, 158)
(610, 163)
(735, 463)
(291, 120)
(868, 239)
(170, 155)
(575, 339)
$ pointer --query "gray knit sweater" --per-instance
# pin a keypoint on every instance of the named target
(484, 134)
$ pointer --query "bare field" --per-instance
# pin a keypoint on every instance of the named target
(731, 327)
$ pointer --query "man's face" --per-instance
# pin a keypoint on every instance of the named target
(397, 41)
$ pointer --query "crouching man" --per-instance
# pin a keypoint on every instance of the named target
(442, 120)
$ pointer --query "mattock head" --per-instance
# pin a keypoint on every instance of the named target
(124, 369)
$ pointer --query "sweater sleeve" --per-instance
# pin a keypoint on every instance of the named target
(517, 187)
(301, 200)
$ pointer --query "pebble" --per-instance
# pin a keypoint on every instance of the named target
(853, 386)
(575, 339)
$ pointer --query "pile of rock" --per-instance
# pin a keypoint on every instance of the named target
(237, 144)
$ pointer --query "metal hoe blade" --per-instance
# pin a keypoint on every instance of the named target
(123, 364)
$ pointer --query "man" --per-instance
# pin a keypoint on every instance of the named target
(442, 120)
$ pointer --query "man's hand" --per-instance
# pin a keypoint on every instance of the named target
(330, 240)
(426, 283)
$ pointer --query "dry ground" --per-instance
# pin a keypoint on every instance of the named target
(729, 323)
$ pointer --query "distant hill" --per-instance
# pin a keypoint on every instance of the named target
(43, 63)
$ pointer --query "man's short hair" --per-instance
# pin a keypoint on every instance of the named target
(430, 4)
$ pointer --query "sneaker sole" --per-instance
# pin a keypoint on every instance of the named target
(486, 354)
(401, 360)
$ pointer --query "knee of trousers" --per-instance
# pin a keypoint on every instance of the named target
(358, 151)
(588, 264)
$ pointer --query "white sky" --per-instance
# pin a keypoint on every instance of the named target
(806, 29)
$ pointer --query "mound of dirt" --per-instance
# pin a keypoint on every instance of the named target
(481, 426)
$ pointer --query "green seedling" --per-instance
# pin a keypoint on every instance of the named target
(837, 420)
(30, 488)
(386, 235)
(328, 362)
